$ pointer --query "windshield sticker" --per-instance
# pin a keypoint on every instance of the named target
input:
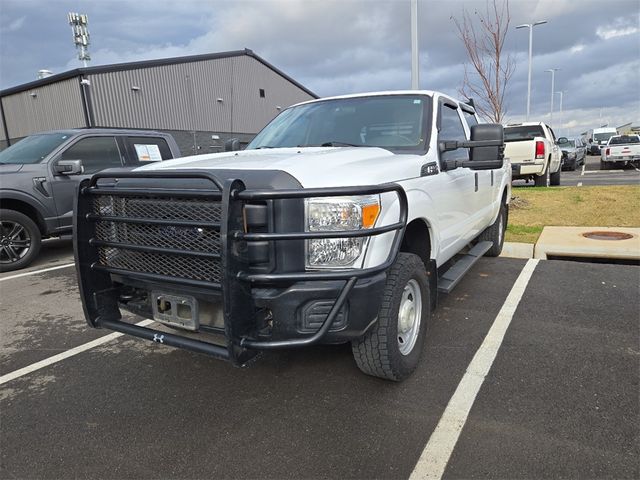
(417, 102)
(148, 153)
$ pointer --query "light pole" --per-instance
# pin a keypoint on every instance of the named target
(415, 72)
(553, 80)
(530, 27)
(561, 119)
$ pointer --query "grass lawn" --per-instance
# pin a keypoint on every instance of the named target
(533, 208)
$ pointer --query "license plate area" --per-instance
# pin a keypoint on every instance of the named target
(179, 311)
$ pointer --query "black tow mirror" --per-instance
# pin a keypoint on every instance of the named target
(486, 148)
(232, 145)
(68, 167)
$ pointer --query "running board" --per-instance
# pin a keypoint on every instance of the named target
(451, 277)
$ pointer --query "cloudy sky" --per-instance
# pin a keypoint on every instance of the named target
(337, 47)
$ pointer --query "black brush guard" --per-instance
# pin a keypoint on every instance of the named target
(100, 296)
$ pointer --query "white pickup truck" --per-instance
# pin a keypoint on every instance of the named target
(620, 150)
(533, 152)
(339, 223)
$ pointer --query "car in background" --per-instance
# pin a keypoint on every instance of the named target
(40, 173)
(573, 152)
(600, 137)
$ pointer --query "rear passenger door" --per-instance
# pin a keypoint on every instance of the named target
(146, 149)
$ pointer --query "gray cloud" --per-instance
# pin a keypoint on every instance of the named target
(336, 47)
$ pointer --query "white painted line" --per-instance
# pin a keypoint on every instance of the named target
(579, 184)
(33, 272)
(437, 452)
(584, 165)
(605, 171)
(66, 354)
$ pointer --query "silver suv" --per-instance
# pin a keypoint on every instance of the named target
(39, 176)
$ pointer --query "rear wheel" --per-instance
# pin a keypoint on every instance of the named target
(495, 232)
(543, 180)
(604, 165)
(393, 346)
(19, 240)
(554, 178)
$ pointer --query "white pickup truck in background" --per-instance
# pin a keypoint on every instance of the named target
(531, 147)
(620, 150)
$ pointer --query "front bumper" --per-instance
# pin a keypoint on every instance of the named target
(256, 310)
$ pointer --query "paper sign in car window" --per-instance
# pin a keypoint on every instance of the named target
(148, 153)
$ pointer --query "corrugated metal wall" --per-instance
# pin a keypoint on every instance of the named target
(53, 107)
(250, 112)
(3, 137)
(185, 96)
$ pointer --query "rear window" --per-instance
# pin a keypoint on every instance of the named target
(623, 139)
(515, 134)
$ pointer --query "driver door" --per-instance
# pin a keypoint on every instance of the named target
(97, 153)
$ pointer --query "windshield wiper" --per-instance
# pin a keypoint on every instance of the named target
(331, 144)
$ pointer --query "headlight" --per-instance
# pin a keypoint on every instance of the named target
(338, 214)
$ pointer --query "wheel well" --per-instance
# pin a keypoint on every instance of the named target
(504, 196)
(26, 209)
(417, 240)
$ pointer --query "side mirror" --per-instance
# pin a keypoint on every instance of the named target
(490, 156)
(562, 140)
(232, 145)
(68, 167)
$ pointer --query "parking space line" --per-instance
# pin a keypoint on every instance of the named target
(436, 453)
(66, 354)
(584, 165)
(579, 184)
(33, 272)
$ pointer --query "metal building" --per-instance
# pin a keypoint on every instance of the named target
(202, 99)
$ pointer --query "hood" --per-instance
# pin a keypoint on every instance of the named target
(311, 166)
(10, 167)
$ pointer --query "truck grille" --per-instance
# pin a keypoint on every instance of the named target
(136, 221)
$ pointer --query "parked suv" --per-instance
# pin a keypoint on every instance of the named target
(39, 175)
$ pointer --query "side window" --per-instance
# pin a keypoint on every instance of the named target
(451, 129)
(96, 153)
(470, 118)
(148, 149)
(553, 135)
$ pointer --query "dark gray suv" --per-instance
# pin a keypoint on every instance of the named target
(39, 175)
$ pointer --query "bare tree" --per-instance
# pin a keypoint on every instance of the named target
(486, 79)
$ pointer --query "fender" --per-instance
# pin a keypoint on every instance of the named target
(44, 220)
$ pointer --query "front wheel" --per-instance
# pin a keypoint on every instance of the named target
(391, 349)
(19, 240)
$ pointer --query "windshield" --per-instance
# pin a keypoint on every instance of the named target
(568, 144)
(602, 137)
(622, 139)
(395, 122)
(515, 134)
(32, 149)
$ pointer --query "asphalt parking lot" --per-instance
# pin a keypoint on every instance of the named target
(560, 399)
(591, 175)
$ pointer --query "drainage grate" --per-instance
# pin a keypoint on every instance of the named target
(606, 235)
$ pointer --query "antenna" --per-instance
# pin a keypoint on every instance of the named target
(79, 23)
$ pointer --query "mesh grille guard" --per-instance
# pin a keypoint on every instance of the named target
(156, 233)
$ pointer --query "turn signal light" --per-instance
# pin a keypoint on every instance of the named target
(539, 150)
(370, 215)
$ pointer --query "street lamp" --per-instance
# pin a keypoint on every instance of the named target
(415, 70)
(561, 96)
(553, 80)
(530, 27)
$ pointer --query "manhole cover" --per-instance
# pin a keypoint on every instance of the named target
(607, 235)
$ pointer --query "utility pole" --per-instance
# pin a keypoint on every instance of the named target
(415, 71)
(553, 79)
(530, 27)
(79, 23)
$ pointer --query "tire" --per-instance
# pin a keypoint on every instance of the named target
(495, 232)
(604, 165)
(20, 240)
(385, 351)
(574, 165)
(554, 179)
(543, 180)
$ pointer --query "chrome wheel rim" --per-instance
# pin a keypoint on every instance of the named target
(547, 180)
(409, 317)
(15, 242)
(500, 229)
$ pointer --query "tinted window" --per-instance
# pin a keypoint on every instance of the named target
(33, 149)
(515, 134)
(148, 149)
(96, 153)
(451, 129)
(623, 139)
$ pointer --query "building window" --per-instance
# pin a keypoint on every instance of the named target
(262, 93)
